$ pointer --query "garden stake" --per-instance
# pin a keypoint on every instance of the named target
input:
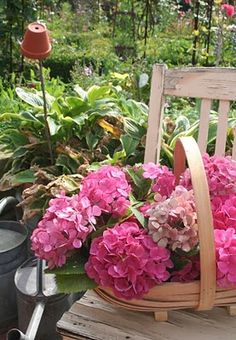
(47, 129)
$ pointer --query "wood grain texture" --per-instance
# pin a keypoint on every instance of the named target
(204, 124)
(208, 83)
(204, 83)
(187, 147)
(153, 139)
(222, 128)
(93, 318)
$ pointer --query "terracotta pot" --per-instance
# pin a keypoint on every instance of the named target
(36, 43)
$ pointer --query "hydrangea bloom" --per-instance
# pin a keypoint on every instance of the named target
(107, 189)
(127, 260)
(221, 175)
(164, 179)
(64, 227)
(173, 222)
(225, 243)
(189, 273)
(224, 212)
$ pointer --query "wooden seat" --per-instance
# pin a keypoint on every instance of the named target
(208, 84)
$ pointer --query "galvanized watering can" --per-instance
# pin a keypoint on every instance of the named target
(13, 252)
(40, 306)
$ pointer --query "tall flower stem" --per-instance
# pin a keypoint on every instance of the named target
(47, 130)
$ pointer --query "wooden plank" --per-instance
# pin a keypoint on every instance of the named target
(204, 124)
(92, 318)
(153, 139)
(208, 83)
(222, 128)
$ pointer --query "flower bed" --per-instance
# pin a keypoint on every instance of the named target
(128, 230)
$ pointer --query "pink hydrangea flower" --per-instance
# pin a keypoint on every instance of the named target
(173, 222)
(225, 244)
(229, 10)
(164, 179)
(221, 175)
(64, 227)
(224, 212)
(127, 260)
(107, 189)
(189, 273)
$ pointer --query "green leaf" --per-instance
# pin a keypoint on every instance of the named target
(141, 185)
(91, 140)
(97, 92)
(30, 98)
(129, 144)
(25, 176)
(80, 91)
(74, 283)
(142, 220)
(73, 266)
(53, 126)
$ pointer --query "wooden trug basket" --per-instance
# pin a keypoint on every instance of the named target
(200, 295)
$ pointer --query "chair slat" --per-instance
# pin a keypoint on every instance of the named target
(210, 83)
(156, 107)
(234, 145)
(222, 128)
(204, 124)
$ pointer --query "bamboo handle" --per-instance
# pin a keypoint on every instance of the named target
(187, 148)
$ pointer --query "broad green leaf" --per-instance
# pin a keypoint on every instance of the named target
(97, 92)
(29, 116)
(74, 283)
(25, 176)
(30, 98)
(74, 101)
(34, 99)
(80, 91)
(129, 144)
(53, 126)
(73, 266)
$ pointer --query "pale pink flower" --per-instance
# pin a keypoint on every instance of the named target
(127, 260)
(173, 222)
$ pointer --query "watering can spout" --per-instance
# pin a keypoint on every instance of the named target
(16, 334)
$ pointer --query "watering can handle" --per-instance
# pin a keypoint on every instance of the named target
(10, 201)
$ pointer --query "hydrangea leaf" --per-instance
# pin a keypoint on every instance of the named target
(73, 266)
(74, 283)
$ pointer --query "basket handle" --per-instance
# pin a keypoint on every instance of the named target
(187, 148)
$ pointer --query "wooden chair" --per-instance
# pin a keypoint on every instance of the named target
(208, 84)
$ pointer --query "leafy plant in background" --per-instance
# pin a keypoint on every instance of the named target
(86, 126)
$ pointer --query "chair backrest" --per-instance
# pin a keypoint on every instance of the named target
(208, 84)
